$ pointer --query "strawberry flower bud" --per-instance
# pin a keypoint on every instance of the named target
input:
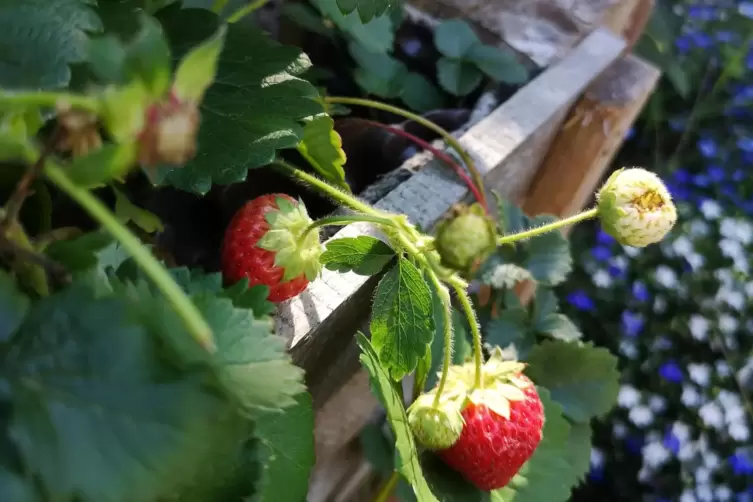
(635, 207)
(170, 134)
(435, 428)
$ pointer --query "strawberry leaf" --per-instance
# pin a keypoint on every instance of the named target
(46, 36)
(363, 255)
(255, 107)
(559, 326)
(458, 77)
(454, 38)
(548, 255)
(580, 377)
(578, 451)
(367, 9)
(509, 327)
(402, 322)
(406, 460)
(13, 306)
(322, 147)
(286, 450)
(377, 35)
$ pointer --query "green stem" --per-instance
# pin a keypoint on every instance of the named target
(533, 232)
(345, 220)
(49, 100)
(246, 10)
(470, 314)
(218, 6)
(387, 488)
(448, 138)
(447, 314)
(323, 186)
(183, 306)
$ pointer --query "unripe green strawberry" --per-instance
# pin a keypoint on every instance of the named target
(635, 207)
(466, 237)
(435, 428)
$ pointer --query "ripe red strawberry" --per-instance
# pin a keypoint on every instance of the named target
(263, 243)
(492, 449)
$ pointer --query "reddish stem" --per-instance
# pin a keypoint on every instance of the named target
(438, 154)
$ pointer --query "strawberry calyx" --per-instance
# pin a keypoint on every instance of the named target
(297, 247)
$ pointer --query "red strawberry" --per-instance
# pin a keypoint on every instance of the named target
(263, 243)
(492, 449)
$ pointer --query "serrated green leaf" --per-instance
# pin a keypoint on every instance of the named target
(548, 255)
(377, 35)
(41, 38)
(545, 476)
(91, 413)
(255, 107)
(558, 326)
(367, 9)
(582, 378)
(406, 461)
(454, 38)
(286, 452)
(402, 322)
(499, 64)
(544, 305)
(102, 165)
(578, 451)
(458, 77)
(420, 94)
(511, 217)
(509, 327)
(126, 211)
(198, 69)
(322, 147)
(13, 306)
(377, 73)
(363, 255)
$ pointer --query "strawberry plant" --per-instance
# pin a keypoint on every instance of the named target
(128, 375)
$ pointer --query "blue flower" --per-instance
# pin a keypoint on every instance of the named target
(601, 253)
(702, 12)
(632, 324)
(726, 37)
(678, 192)
(634, 444)
(604, 238)
(738, 175)
(682, 176)
(596, 474)
(741, 463)
(716, 173)
(701, 40)
(629, 133)
(663, 343)
(640, 292)
(671, 442)
(745, 144)
(707, 147)
(701, 180)
(581, 301)
(671, 372)
(616, 272)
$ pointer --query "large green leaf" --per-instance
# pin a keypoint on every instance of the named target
(378, 73)
(582, 378)
(578, 451)
(402, 324)
(97, 414)
(13, 306)
(420, 94)
(367, 9)
(548, 255)
(363, 255)
(407, 462)
(255, 107)
(501, 65)
(458, 77)
(377, 35)
(508, 327)
(40, 38)
(286, 452)
(322, 147)
(545, 477)
(454, 38)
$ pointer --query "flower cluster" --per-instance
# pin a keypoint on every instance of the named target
(680, 313)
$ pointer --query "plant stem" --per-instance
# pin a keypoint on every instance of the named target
(449, 139)
(218, 6)
(323, 186)
(345, 220)
(434, 151)
(470, 314)
(533, 232)
(444, 295)
(189, 314)
(387, 488)
(49, 99)
(246, 10)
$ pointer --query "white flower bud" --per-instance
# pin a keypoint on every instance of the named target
(636, 208)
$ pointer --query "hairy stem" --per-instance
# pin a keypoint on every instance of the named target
(533, 232)
(189, 314)
(323, 186)
(387, 488)
(444, 295)
(246, 10)
(449, 139)
(470, 314)
(49, 100)
(345, 220)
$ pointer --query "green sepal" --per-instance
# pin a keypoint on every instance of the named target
(198, 69)
(123, 110)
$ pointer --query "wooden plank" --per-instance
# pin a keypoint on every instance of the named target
(320, 322)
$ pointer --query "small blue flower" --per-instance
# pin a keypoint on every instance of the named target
(682, 176)
(716, 173)
(683, 44)
(616, 272)
(741, 463)
(678, 192)
(601, 253)
(632, 324)
(672, 442)
(596, 474)
(634, 444)
(707, 147)
(726, 37)
(701, 180)
(671, 372)
(701, 40)
(738, 175)
(702, 12)
(640, 292)
(663, 343)
(581, 301)
(604, 238)
(745, 144)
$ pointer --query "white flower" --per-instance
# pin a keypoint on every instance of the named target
(602, 279)
(723, 493)
(696, 261)
(657, 404)
(682, 246)
(731, 249)
(687, 451)
(631, 251)
(731, 297)
(641, 415)
(712, 415)
(628, 348)
(507, 275)
(728, 324)
(687, 496)
(700, 373)
(702, 475)
(619, 430)
(705, 493)
(660, 304)
(628, 396)
(738, 431)
(699, 327)
(597, 458)
(722, 369)
(711, 460)
(645, 474)
(711, 209)
(666, 276)
(738, 230)
(681, 431)
(655, 454)
(620, 262)
(698, 228)
(635, 207)
(690, 397)
(749, 288)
